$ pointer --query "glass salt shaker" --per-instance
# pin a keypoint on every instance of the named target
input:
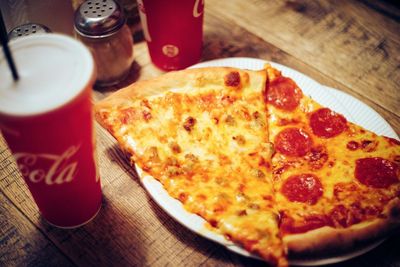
(101, 26)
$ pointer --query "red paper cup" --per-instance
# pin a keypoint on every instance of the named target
(47, 121)
(173, 31)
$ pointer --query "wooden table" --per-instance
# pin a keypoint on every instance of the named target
(350, 45)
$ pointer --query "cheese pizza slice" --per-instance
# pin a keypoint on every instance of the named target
(205, 138)
(336, 183)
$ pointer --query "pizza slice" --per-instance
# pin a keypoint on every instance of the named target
(337, 184)
(205, 138)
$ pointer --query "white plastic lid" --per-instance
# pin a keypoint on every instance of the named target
(53, 69)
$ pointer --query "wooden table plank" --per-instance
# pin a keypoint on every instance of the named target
(388, 8)
(346, 41)
(20, 241)
(13, 185)
(22, 244)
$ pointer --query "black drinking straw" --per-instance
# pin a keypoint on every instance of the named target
(6, 49)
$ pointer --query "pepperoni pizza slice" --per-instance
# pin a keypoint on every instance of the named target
(336, 183)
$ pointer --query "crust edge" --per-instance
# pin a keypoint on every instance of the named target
(189, 79)
(328, 240)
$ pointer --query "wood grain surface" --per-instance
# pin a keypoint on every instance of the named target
(353, 46)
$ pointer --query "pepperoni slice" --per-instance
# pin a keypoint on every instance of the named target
(232, 79)
(283, 93)
(376, 172)
(327, 123)
(293, 142)
(305, 188)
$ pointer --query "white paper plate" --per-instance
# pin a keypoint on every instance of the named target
(353, 109)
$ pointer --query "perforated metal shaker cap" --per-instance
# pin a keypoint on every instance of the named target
(98, 18)
(26, 30)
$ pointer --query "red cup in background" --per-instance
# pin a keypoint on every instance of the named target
(47, 121)
(173, 31)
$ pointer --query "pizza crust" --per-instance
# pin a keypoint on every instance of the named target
(328, 240)
(182, 81)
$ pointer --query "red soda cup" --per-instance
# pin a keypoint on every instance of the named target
(173, 31)
(47, 121)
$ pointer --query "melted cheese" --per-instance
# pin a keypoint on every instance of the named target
(206, 147)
